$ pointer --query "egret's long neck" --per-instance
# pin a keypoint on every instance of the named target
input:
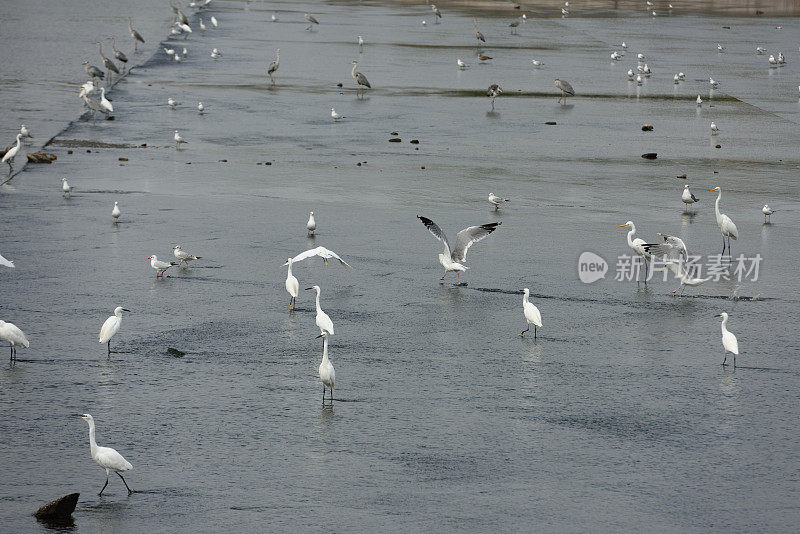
(630, 235)
(318, 309)
(290, 270)
(525, 297)
(92, 442)
(724, 324)
(324, 349)
(716, 204)
(19, 141)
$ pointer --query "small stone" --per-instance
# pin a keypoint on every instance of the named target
(358, 164)
(58, 509)
(551, 123)
(258, 163)
(395, 140)
(681, 177)
(143, 144)
(41, 157)
(416, 148)
(339, 84)
(188, 162)
(268, 163)
(414, 141)
(650, 155)
(394, 133)
(123, 159)
(87, 150)
(110, 118)
(175, 352)
(423, 167)
(69, 151)
(647, 127)
(223, 161)
(718, 146)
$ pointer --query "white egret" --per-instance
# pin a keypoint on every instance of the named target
(292, 284)
(115, 213)
(767, 211)
(326, 372)
(311, 225)
(106, 457)
(6, 263)
(687, 197)
(273, 67)
(729, 341)
(531, 312)
(360, 42)
(451, 257)
(9, 156)
(160, 266)
(323, 253)
(111, 327)
(202, 26)
(66, 189)
(214, 21)
(495, 201)
(335, 115)
(322, 320)
(183, 256)
(86, 89)
(178, 140)
(184, 52)
(637, 245)
(11, 333)
(615, 56)
(105, 105)
(726, 226)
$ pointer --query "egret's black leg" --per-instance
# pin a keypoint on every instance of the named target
(323, 394)
(523, 332)
(126, 484)
(725, 358)
(104, 486)
(534, 331)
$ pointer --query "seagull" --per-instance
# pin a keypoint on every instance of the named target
(630, 74)
(178, 140)
(437, 13)
(11, 153)
(326, 372)
(624, 45)
(322, 320)
(311, 21)
(639, 79)
(760, 50)
(115, 213)
(106, 457)
(681, 76)
(654, 14)
(772, 60)
(105, 105)
(11, 333)
(6, 263)
(720, 48)
(713, 82)
(160, 266)
(424, 23)
(323, 253)
(496, 201)
(183, 256)
(172, 102)
(729, 341)
(24, 132)
(177, 58)
(202, 25)
(766, 210)
(537, 62)
(493, 92)
(184, 52)
(699, 101)
(216, 54)
(111, 327)
(646, 70)
(335, 115)
(781, 59)
(640, 56)
(360, 41)
(531, 312)
(564, 11)
(66, 189)
(274, 17)
(461, 64)
(311, 225)
(676, 79)
(451, 258)
(687, 197)
(169, 51)
(615, 56)
(483, 57)
(292, 285)
(200, 108)
(714, 128)
(214, 21)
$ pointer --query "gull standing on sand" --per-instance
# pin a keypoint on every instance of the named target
(531, 312)
(451, 257)
(565, 88)
(335, 115)
(160, 266)
(326, 372)
(273, 67)
(687, 197)
(311, 225)
(729, 341)
(106, 457)
(111, 327)
(726, 226)
(115, 213)
(637, 245)
(178, 140)
(183, 256)
(323, 253)
(66, 189)
(9, 156)
(322, 320)
(767, 211)
(495, 201)
(11, 333)
(292, 284)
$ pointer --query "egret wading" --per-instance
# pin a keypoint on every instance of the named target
(360, 79)
(451, 257)
(726, 226)
(326, 372)
(322, 320)
(9, 156)
(637, 245)
(566, 89)
(111, 327)
(11, 333)
(531, 312)
(292, 285)
(106, 457)
(729, 341)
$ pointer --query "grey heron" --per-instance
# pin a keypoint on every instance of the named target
(93, 71)
(478, 35)
(493, 92)
(136, 36)
(311, 21)
(93, 106)
(359, 78)
(566, 89)
(437, 13)
(181, 17)
(117, 54)
(274, 65)
(107, 62)
(514, 26)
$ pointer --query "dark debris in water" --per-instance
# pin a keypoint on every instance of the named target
(175, 352)
(81, 143)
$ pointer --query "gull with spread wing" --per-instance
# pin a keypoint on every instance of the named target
(452, 257)
(322, 252)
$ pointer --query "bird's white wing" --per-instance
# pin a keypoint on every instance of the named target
(468, 236)
(110, 458)
(108, 329)
(307, 254)
(728, 224)
(437, 233)
(6, 262)
(672, 249)
(332, 253)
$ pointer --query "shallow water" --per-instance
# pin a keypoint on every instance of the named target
(617, 418)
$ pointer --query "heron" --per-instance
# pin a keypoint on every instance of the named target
(729, 341)
(493, 92)
(767, 211)
(322, 320)
(360, 79)
(117, 54)
(326, 372)
(11, 153)
(115, 213)
(66, 189)
(726, 226)
(109, 65)
(93, 71)
(531, 313)
(451, 258)
(687, 197)
(273, 67)
(292, 285)
(160, 266)
(93, 106)
(136, 36)
(637, 245)
(111, 327)
(311, 225)
(311, 21)
(106, 457)
(566, 89)
(514, 26)
(478, 35)
(323, 253)
(12, 333)
(437, 13)
(181, 17)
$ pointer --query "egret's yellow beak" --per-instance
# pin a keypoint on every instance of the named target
(622, 226)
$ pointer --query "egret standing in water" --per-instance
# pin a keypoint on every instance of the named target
(360, 79)
(729, 341)
(115, 213)
(311, 225)
(726, 226)
(136, 36)
(451, 258)
(111, 327)
(326, 372)
(106, 457)
(688, 198)
(273, 67)
(566, 89)
(322, 320)
(637, 245)
(531, 312)
(292, 285)
(11, 333)
(9, 156)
